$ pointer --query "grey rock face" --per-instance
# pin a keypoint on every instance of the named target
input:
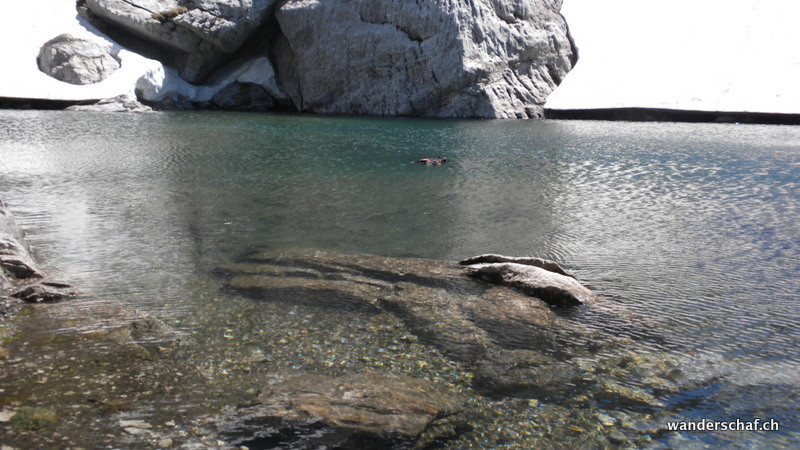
(76, 61)
(450, 58)
(197, 33)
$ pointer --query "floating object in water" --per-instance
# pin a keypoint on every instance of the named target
(431, 161)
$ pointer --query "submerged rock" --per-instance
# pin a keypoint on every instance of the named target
(76, 61)
(515, 344)
(368, 409)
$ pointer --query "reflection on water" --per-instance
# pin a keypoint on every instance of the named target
(694, 226)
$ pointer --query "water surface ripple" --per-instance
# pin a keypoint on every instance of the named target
(695, 227)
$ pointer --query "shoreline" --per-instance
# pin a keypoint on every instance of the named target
(672, 115)
(634, 114)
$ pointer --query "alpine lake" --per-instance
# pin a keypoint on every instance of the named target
(212, 252)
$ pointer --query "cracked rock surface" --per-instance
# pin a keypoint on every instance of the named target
(451, 58)
(198, 35)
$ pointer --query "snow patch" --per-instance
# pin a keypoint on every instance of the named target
(710, 55)
(37, 22)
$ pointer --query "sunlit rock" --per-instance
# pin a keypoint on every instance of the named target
(551, 286)
(489, 258)
(120, 103)
(487, 58)
(76, 61)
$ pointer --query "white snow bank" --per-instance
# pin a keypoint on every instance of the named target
(35, 22)
(161, 83)
(708, 55)
(32, 23)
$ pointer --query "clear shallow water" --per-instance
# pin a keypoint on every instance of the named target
(694, 226)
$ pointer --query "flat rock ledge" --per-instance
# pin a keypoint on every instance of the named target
(365, 410)
(120, 103)
(20, 276)
(538, 277)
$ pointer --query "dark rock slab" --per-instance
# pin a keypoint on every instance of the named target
(529, 374)
(243, 96)
(45, 291)
(484, 326)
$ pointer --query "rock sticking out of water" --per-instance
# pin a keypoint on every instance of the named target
(534, 276)
(366, 410)
(45, 291)
(120, 103)
(16, 260)
(20, 275)
(489, 258)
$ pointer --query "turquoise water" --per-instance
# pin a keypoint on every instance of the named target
(694, 226)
